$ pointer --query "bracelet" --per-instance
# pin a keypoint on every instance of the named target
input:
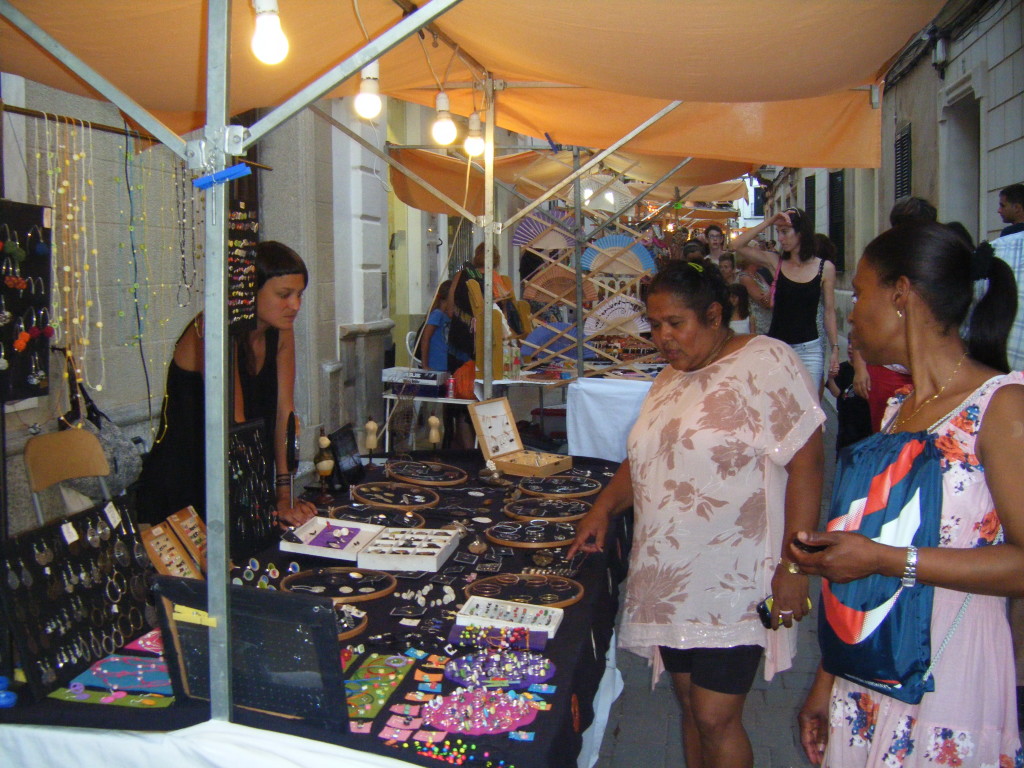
(791, 567)
(909, 578)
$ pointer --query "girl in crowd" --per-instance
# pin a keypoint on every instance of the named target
(944, 530)
(802, 280)
(434, 338)
(742, 321)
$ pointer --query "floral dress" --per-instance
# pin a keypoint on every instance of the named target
(707, 460)
(970, 719)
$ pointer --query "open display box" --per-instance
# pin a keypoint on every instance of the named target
(500, 442)
(373, 546)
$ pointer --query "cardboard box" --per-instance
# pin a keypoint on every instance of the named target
(336, 539)
(499, 441)
(489, 612)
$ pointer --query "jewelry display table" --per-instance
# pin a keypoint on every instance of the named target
(565, 735)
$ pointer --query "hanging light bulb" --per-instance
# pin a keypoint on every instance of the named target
(367, 103)
(269, 43)
(444, 129)
(474, 144)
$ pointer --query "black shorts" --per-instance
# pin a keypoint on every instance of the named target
(723, 670)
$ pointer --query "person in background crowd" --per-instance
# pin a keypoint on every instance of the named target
(758, 286)
(914, 287)
(877, 383)
(695, 250)
(724, 465)
(434, 339)
(727, 266)
(912, 210)
(174, 471)
(715, 239)
(1011, 209)
(741, 322)
(802, 280)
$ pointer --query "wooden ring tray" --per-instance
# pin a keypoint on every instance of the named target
(395, 496)
(428, 473)
(342, 584)
(517, 587)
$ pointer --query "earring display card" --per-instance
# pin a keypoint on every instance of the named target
(25, 323)
(191, 530)
(74, 592)
(168, 555)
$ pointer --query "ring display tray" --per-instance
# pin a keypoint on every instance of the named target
(500, 442)
(372, 546)
(489, 612)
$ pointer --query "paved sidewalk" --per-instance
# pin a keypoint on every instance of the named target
(643, 727)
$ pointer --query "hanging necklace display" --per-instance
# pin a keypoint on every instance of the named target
(395, 496)
(535, 589)
(534, 534)
(559, 486)
(563, 510)
(388, 518)
(425, 473)
(341, 584)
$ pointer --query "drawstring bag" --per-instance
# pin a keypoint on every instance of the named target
(874, 631)
(122, 455)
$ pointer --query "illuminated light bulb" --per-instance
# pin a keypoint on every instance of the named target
(474, 144)
(443, 130)
(368, 103)
(269, 43)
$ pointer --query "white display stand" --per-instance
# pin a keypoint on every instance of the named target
(599, 414)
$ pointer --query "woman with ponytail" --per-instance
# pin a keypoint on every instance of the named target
(925, 539)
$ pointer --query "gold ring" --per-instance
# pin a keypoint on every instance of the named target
(792, 567)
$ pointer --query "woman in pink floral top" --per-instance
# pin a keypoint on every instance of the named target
(724, 465)
(913, 289)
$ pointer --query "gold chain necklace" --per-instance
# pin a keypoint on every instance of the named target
(718, 348)
(900, 421)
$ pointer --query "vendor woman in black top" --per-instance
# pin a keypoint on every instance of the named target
(174, 472)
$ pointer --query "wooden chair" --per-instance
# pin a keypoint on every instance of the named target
(63, 455)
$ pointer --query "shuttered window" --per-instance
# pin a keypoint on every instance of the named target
(903, 165)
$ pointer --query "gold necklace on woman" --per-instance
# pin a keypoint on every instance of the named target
(729, 333)
(900, 421)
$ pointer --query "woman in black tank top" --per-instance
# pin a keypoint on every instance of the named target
(802, 281)
(174, 472)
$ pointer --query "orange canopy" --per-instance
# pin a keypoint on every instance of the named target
(533, 172)
(781, 92)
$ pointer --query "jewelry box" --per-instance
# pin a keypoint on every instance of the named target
(499, 441)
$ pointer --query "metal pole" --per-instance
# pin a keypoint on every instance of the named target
(592, 163)
(577, 257)
(489, 233)
(216, 361)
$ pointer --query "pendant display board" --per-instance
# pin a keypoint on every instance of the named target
(250, 489)
(401, 496)
(535, 589)
(532, 534)
(74, 591)
(25, 323)
(562, 510)
(427, 473)
(342, 584)
(560, 486)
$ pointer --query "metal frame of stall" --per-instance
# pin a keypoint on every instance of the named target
(219, 141)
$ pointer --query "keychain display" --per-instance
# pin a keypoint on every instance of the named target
(559, 486)
(531, 534)
(563, 510)
(341, 584)
(395, 496)
(74, 592)
(427, 473)
(535, 589)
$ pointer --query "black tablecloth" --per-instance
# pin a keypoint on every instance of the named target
(578, 651)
